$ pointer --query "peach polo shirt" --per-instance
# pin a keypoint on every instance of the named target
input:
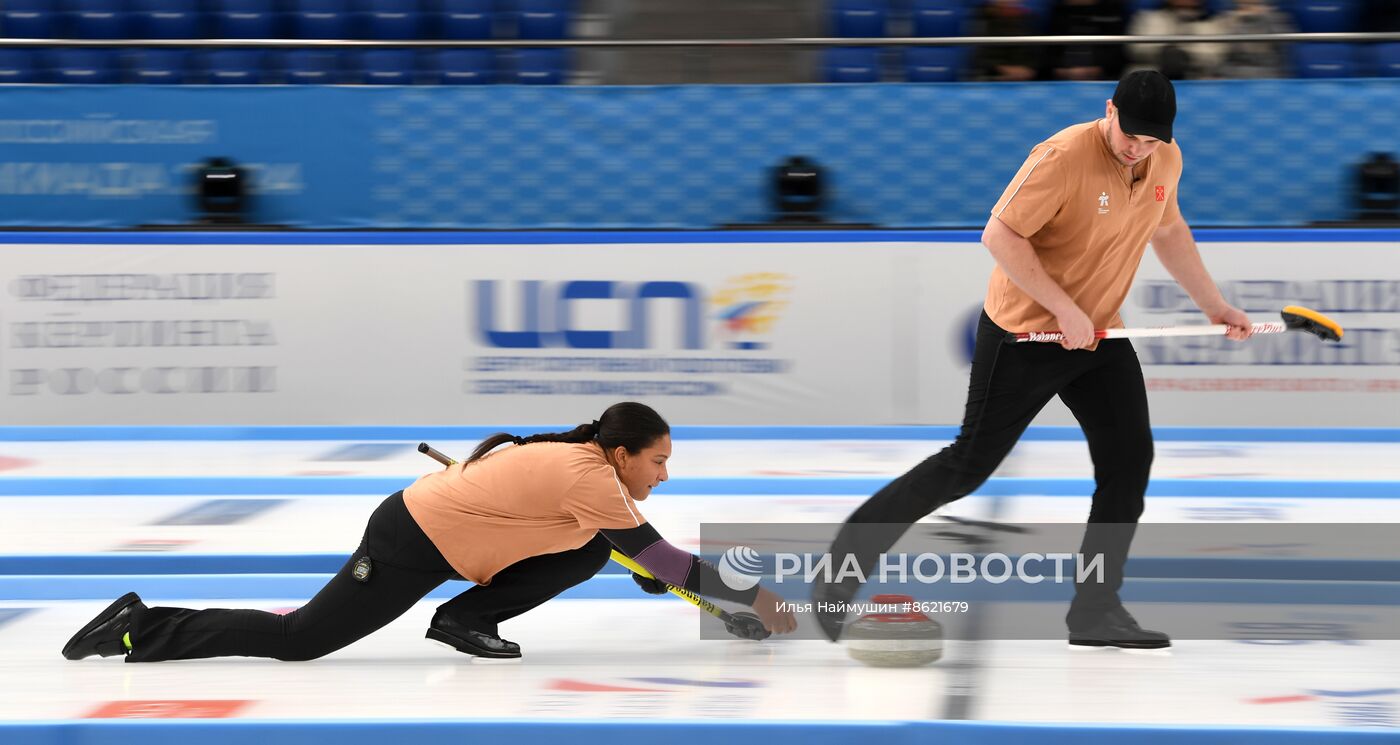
(1089, 218)
(519, 502)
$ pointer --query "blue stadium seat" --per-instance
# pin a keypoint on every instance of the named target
(83, 66)
(1325, 60)
(851, 65)
(30, 23)
(1327, 16)
(168, 19)
(540, 66)
(321, 26)
(244, 25)
(859, 19)
(1387, 59)
(466, 19)
(99, 19)
(235, 66)
(386, 67)
(242, 19)
(320, 19)
(158, 67)
(464, 67)
(311, 67)
(934, 64)
(392, 19)
(241, 6)
(939, 17)
(86, 6)
(167, 6)
(1213, 7)
(162, 25)
(18, 66)
(543, 19)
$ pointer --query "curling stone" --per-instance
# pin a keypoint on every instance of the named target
(898, 637)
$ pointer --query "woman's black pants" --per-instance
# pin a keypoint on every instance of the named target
(404, 567)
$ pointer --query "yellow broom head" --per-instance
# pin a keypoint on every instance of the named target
(1306, 319)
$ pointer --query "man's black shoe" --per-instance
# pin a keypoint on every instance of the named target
(1118, 628)
(479, 644)
(103, 634)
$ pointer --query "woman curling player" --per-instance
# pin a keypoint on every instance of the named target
(524, 524)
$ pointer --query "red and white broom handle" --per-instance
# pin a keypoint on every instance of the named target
(1219, 329)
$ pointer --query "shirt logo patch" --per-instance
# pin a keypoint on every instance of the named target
(1161, 193)
(1103, 203)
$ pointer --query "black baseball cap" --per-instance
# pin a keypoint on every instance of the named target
(1146, 103)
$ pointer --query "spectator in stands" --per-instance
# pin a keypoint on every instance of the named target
(1087, 18)
(1256, 59)
(1016, 62)
(1177, 17)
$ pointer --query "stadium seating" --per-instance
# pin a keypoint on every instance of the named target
(31, 19)
(859, 19)
(320, 19)
(1387, 59)
(542, 19)
(385, 67)
(243, 19)
(851, 65)
(939, 17)
(235, 67)
(1327, 16)
(1325, 60)
(934, 64)
(387, 20)
(466, 19)
(99, 19)
(83, 66)
(167, 19)
(158, 67)
(464, 67)
(310, 66)
(18, 66)
(1213, 7)
(546, 66)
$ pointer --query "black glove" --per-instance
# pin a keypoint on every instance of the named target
(649, 585)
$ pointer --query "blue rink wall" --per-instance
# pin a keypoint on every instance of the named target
(1257, 153)
(605, 732)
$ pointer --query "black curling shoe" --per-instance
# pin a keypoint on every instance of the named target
(1118, 628)
(103, 634)
(476, 643)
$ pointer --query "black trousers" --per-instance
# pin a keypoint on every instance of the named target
(1010, 384)
(406, 566)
